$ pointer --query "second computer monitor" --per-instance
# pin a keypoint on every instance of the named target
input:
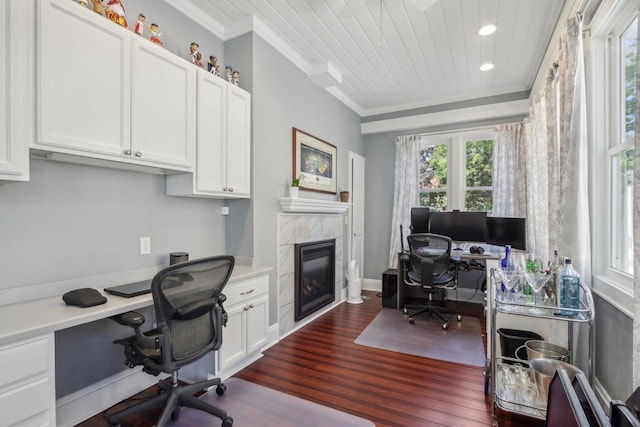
(507, 231)
(459, 226)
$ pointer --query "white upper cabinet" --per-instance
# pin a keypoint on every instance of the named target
(104, 94)
(223, 153)
(163, 106)
(238, 141)
(16, 96)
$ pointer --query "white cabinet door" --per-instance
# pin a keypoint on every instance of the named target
(163, 106)
(234, 347)
(84, 64)
(223, 159)
(211, 167)
(257, 321)
(238, 141)
(15, 89)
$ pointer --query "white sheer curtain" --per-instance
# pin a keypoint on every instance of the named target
(509, 181)
(541, 165)
(537, 173)
(406, 191)
(575, 236)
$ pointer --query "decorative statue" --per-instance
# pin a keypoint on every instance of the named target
(196, 57)
(236, 77)
(155, 34)
(98, 7)
(140, 24)
(229, 73)
(115, 13)
(212, 65)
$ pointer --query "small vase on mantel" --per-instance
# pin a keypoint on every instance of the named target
(344, 196)
(293, 192)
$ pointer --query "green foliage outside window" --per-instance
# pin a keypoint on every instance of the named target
(479, 174)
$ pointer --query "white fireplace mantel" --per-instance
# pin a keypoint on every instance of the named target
(294, 204)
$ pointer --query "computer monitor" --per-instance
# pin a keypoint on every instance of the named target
(507, 231)
(420, 220)
(459, 226)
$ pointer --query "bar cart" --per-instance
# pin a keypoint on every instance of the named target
(512, 387)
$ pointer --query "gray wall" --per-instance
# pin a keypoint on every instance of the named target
(72, 221)
(283, 97)
(614, 349)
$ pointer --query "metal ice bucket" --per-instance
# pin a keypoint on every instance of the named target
(543, 371)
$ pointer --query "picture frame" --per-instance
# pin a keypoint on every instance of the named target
(314, 162)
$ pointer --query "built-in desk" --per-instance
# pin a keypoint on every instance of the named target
(27, 348)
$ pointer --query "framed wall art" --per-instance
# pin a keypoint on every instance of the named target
(314, 162)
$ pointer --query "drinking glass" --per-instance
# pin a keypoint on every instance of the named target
(509, 277)
(537, 280)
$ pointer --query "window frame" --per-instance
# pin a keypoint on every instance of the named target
(606, 101)
(456, 162)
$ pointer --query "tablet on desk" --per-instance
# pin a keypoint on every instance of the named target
(130, 289)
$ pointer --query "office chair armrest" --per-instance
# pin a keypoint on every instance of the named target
(426, 271)
(132, 319)
(194, 309)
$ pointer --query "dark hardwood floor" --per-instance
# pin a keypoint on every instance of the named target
(321, 363)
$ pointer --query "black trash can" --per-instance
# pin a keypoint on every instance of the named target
(511, 339)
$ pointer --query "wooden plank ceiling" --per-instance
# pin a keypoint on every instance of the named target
(394, 55)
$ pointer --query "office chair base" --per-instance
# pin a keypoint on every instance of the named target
(431, 311)
(173, 397)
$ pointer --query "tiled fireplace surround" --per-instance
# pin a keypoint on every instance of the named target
(303, 228)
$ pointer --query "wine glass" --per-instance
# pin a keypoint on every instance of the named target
(537, 280)
(509, 276)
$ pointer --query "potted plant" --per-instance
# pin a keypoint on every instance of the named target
(295, 187)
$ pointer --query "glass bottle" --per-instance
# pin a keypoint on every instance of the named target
(531, 267)
(503, 264)
(569, 282)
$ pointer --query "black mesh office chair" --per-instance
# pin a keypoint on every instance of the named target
(188, 303)
(430, 256)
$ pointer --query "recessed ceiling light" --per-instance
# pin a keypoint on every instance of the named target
(487, 29)
(486, 67)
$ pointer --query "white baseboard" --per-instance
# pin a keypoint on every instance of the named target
(602, 395)
(85, 403)
(372, 284)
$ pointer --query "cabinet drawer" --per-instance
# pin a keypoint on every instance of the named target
(240, 291)
(26, 402)
(25, 360)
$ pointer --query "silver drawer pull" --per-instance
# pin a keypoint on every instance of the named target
(246, 293)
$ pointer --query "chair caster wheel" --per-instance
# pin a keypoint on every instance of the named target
(221, 389)
(459, 317)
(411, 321)
(404, 310)
(227, 422)
(445, 326)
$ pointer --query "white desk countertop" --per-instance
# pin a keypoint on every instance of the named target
(32, 318)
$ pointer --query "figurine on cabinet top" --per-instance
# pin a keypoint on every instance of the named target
(83, 3)
(115, 13)
(98, 7)
(140, 24)
(229, 73)
(155, 34)
(196, 57)
(235, 77)
(213, 66)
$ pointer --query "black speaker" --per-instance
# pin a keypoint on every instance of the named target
(390, 288)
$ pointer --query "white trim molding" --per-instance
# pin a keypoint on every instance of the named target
(482, 112)
(294, 204)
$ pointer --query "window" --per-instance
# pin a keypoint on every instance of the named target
(614, 63)
(479, 169)
(456, 171)
(622, 92)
